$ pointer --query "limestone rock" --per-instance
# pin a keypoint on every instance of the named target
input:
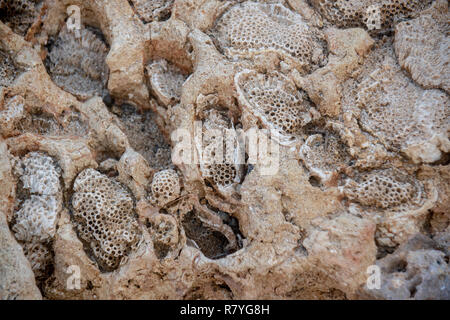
(15, 270)
(210, 149)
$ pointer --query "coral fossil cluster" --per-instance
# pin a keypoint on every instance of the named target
(35, 221)
(103, 212)
(135, 140)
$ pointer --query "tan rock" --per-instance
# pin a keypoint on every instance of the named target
(356, 164)
(17, 279)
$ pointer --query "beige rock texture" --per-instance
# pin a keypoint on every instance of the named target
(332, 116)
(18, 280)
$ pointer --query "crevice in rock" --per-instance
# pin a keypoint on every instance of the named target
(145, 136)
(212, 243)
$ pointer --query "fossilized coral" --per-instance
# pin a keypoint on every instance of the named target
(220, 161)
(165, 234)
(76, 62)
(275, 100)
(166, 81)
(324, 155)
(422, 47)
(385, 189)
(373, 14)
(268, 27)
(104, 215)
(165, 187)
(145, 136)
(360, 150)
(19, 14)
(35, 221)
(404, 116)
(153, 10)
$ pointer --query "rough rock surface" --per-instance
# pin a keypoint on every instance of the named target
(17, 278)
(224, 149)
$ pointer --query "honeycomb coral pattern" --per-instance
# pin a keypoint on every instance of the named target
(105, 219)
(35, 222)
(275, 100)
(153, 10)
(266, 27)
(165, 187)
(323, 155)
(388, 188)
(40, 176)
(422, 47)
(36, 219)
(19, 15)
(166, 81)
(77, 64)
(217, 166)
(221, 174)
(8, 72)
(372, 14)
(400, 113)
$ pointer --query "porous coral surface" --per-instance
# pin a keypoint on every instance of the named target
(224, 149)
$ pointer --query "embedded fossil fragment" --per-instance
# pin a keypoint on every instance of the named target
(11, 115)
(404, 116)
(275, 100)
(324, 155)
(19, 15)
(372, 14)
(104, 216)
(18, 118)
(153, 10)
(398, 201)
(39, 257)
(384, 189)
(18, 279)
(76, 63)
(268, 27)
(422, 47)
(221, 159)
(165, 234)
(35, 221)
(165, 187)
(166, 81)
